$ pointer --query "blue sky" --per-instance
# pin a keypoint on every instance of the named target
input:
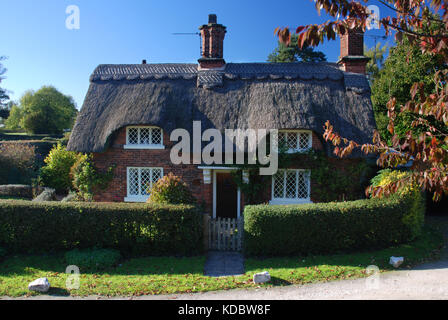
(42, 51)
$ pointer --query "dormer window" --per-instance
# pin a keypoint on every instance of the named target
(295, 140)
(144, 138)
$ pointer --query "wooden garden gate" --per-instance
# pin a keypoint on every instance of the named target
(225, 234)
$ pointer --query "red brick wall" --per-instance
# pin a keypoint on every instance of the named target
(317, 143)
(352, 44)
(193, 177)
(303, 162)
(338, 164)
(117, 190)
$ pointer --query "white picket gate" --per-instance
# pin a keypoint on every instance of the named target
(226, 234)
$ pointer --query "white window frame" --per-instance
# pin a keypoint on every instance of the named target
(139, 197)
(284, 200)
(298, 132)
(139, 145)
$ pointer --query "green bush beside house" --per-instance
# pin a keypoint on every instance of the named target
(56, 173)
(333, 227)
(170, 189)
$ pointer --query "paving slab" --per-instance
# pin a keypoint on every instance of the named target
(224, 264)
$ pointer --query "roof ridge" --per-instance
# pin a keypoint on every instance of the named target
(306, 71)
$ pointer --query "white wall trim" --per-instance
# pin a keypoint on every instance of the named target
(207, 174)
(136, 199)
(224, 169)
(238, 205)
(214, 194)
(143, 146)
(289, 201)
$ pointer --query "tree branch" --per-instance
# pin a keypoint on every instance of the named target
(402, 12)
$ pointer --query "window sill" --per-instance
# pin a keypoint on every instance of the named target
(136, 199)
(144, 147)
(289, 201)
(298, 150)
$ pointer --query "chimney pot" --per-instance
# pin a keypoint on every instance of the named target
(212, 18)
(352, 57)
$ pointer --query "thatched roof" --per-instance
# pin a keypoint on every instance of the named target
(243, 95)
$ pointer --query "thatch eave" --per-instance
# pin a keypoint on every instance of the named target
(257, 96)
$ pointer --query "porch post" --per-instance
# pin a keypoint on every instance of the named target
(245, 176)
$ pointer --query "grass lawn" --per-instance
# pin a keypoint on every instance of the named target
(164, 275)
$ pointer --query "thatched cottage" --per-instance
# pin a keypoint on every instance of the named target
(130, 111)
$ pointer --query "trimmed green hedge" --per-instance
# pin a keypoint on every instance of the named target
(332, 227)
(34, 137)
(134, 229)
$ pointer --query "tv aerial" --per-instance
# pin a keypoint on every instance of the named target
(190, 34)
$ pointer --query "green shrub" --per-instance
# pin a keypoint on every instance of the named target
(333, 227)
(131, 228)
(413, 218)
(65, 138)
(386, 177)
(56, 173)
(23, 137)
(93, 259)
(2, 253)
(170, 190)
(17, 163)
(85, 177)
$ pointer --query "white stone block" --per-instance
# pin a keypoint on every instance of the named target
(39, 285)
(262, 277)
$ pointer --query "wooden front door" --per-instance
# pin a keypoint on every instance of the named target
(226, 196)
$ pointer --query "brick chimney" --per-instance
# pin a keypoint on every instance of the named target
(352, 58)
(212, 35)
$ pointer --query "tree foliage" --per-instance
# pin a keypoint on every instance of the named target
(405, 65)
(3, 94)
(14, 119)
(427, 147)
(44, 111)
(292, 53)
(6, 109)
(376, 62)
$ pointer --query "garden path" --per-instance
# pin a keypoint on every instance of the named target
(224, 263)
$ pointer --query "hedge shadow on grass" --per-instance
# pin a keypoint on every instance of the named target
(22, 265)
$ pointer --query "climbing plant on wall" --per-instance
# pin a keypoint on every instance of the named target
(329, 180)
